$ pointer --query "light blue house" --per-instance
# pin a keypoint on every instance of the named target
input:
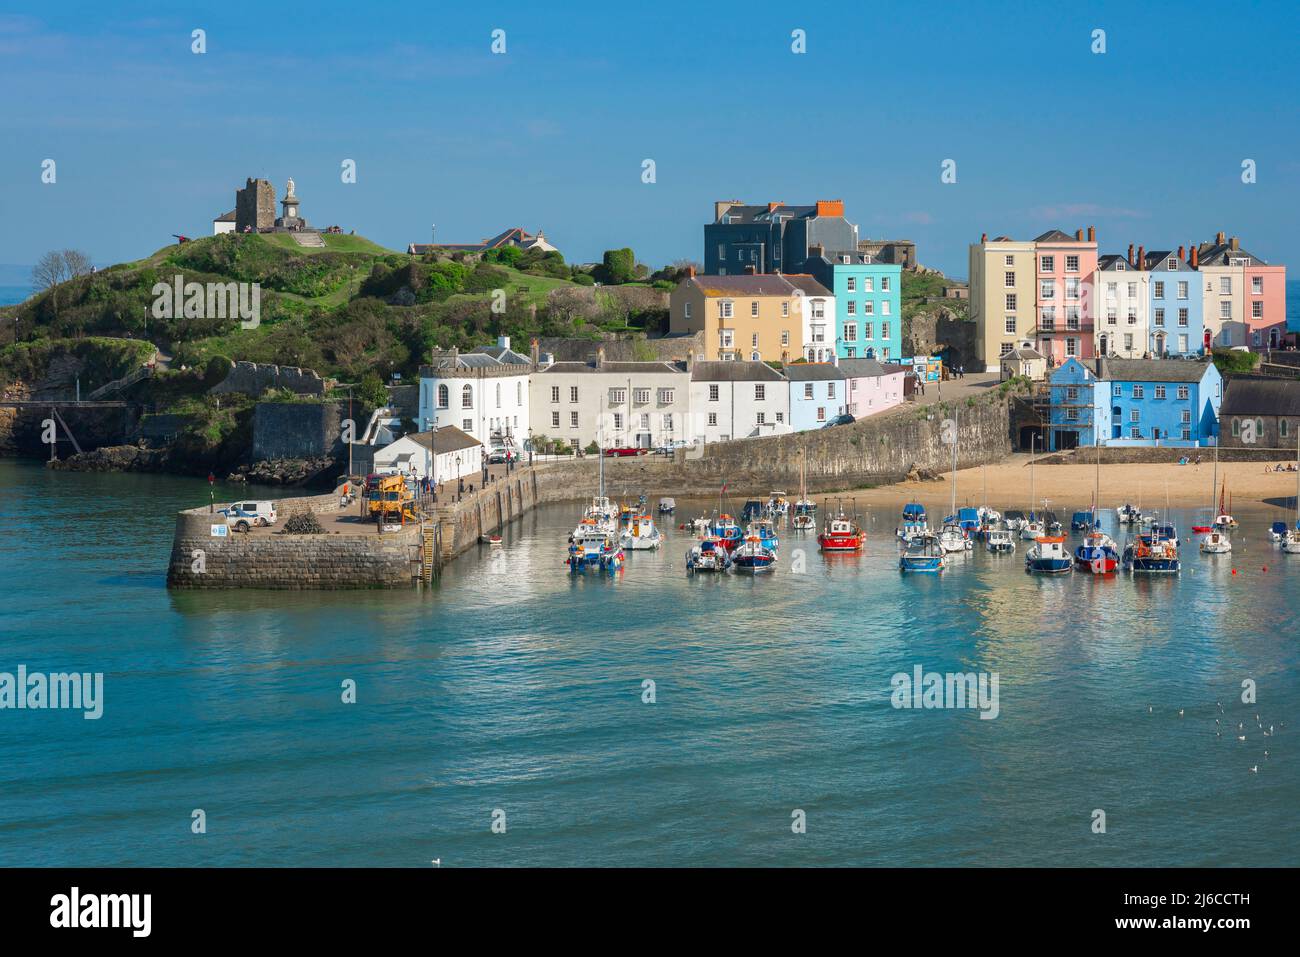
(817, 393)
(868, 303)
(1177, 318)
(1138, 402)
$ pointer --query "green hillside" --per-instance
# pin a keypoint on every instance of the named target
(349, 309)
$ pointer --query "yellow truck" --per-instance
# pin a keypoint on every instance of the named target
(392, 502)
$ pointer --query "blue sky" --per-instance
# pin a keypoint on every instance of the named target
(1144, 141)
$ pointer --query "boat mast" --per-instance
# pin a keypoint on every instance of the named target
(1215, 482)
(954, 467)
(1096, 485)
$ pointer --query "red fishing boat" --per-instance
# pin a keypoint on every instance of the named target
(841, 534)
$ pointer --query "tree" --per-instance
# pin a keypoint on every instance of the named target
(77, 263)
(617, 266)
(50, 270)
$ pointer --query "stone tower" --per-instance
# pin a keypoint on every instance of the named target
(255, 206)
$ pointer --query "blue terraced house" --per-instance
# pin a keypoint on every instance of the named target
(868, 303)
(818, 393)
(1134, 402)
(1177, 323)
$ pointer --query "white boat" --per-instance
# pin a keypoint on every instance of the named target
(667, 506)
(640, 534)
(989, 516)
(999, 541)
(953, 539)
(1127, 514)
(1291, 543)
(805, 511)
(1031, 530)
(699, 526)
(707, 555)
(1216, 542)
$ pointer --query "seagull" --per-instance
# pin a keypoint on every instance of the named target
(1255, 769)
(1265, 755)
(1216, 720)
(1180, 712)
(1240, 726)
(1241, 737)
(1149, 709)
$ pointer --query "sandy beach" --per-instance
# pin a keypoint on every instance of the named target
(1069, 487)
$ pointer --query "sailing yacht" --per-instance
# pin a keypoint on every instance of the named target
(804, 510)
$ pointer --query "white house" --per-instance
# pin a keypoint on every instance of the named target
(443, 455)
(484, 393)
(1122, 294)
(642, 404)
(736, 400)
(224, 223)
(818, 315)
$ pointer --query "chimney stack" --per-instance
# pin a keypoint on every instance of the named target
(534, 352)
(1219, 238)
(690, 360)
(1078, 235)
(1142, 257)
(984, 238)
(1092, 234)
(1182, 254)
(690, 272)
(1234, 243)
(1131, 261)
(1195, 259)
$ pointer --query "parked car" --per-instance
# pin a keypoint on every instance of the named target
(242, 516)
(497, 457)
(626, 450)
(844, 419)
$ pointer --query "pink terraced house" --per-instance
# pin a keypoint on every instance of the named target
(1065, 270)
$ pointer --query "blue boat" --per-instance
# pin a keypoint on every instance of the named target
(969, 520)
(914, 522)
(1278, 531)
(1153, 555)
(752, 556)
(1081, 521)
(1047, 556)
(727, 532)
(752, 509)
(1165, 532)
(922, 554)
(766, 533)
(1097, 554)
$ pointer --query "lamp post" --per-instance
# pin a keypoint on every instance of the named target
(530, 446)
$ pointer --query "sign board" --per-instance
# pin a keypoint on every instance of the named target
(220, 531)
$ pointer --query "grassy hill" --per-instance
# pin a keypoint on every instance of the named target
(348, 309)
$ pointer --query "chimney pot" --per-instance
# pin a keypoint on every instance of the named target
(1078, 235)
(984, 237)
(1142, 257)
(1218, 238)
(690, 272)
(1235, 243)
(1195, 260)
(1131, 260)
(1181, 253)
(1092, 234)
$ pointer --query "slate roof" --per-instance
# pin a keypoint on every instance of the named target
(1028, 354)
(226, 217)
(762, 214)
(715, 371)
(1055, 236)
(1222, 254)
(626, 368)
(502, 354)
(813, 372)
(1112, 261)
(760, 284)
(1146, 370)
(1159, 261)
(449, 439)
(1261, 396)
(861, 368)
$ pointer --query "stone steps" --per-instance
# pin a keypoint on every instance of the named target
(313, 240)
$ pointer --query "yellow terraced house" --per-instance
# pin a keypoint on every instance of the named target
(1002, 296)
(763, 317)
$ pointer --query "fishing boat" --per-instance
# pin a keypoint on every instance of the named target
(728, 533)
(1216, 542)
(667, 506)
(1166, 531)
(1277, 532)
(1098, 554)
(1127, 514)
(999, 541)
(952, 538)
(751, 510)
(765, 529)
(1051, 524)
(805, 511)
(922, 553)
(1081, 521)
(914, 522)
(625, 515)
(592, 547)
(699, 526)
(640, 534)
(841, 534)
(1047, 556)
(1015, 520)
(752, 556)
(777, 504)
(989, 516)
(1152, 555)
(707, 555)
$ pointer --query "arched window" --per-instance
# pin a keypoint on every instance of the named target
(444, 396)
(1236, 427)
(1283, 428)
(467, 397)
(1259, 430)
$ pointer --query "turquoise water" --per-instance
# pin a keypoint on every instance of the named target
(513, 686)
(12, 294)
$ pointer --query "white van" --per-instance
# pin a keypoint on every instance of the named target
(243, 515)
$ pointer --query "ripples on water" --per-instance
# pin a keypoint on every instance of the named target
(513, 685)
